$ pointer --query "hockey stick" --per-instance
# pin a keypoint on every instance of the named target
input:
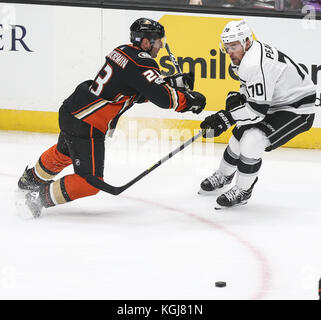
(173, 59)
(101, 185)
(175, 63)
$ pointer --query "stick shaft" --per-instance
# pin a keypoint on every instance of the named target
(175, 63)
(173, 59)
(101, 185)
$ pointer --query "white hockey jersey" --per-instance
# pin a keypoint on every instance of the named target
(272, 82)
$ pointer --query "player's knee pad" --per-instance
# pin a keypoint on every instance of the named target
(50, 163)
(253, 143)
(230, 157)
(77, 187)
(53, 160)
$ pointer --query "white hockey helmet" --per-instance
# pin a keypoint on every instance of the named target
(236, 31)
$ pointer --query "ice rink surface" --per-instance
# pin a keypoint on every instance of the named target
(159, 239)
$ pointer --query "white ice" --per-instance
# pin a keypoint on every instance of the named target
(159, 239)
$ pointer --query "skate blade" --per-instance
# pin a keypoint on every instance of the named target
(218, 207)
(202, 192)
(22, 210)
(214, 193)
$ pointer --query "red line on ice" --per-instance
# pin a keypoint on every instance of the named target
(265, 277)
(265, 274)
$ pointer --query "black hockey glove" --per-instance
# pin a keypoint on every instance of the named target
(195, 102)
(181, 81)
(216, 124)
(234, 99)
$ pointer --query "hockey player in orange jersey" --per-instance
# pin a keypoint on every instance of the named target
(130, 75)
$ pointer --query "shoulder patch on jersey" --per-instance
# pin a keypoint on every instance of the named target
(145, 55)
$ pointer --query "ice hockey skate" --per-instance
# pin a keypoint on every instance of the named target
(26, 184)
(29, 181)
(234, 197)
(28, 203)
(28, 197)
(214, 183)
(34, 203)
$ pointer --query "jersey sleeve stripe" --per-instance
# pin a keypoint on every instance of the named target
(246, 114)
(173, 97)
(248, 119)
(170, 97)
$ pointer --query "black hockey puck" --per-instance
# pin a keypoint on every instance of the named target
(220, 284)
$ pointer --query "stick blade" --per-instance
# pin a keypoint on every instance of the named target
(102, 185)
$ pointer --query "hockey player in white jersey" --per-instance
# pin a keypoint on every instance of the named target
(276, 102)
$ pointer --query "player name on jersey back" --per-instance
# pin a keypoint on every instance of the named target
(118, 58)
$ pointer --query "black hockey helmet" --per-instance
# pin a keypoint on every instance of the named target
(146, 28)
